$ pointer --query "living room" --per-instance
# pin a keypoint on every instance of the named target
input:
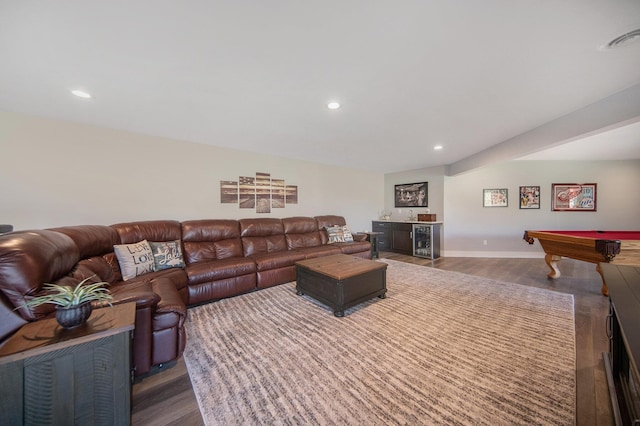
(159, 136)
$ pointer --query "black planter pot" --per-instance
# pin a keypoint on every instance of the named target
(73, 316)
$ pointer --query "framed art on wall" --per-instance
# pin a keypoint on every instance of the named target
(260, 192)
(495, 197)
(412, 194)
(573, 197)
(529, 197)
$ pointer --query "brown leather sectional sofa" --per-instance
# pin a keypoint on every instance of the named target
(223, 258)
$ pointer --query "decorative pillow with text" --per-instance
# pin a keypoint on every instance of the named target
(335, 234)
(167, 254)
(134, 259)
(346, 232)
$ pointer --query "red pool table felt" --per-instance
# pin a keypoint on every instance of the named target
(600, 235)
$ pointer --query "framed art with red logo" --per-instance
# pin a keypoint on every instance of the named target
(573, 197)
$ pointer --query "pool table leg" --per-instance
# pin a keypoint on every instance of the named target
(552, 261)
(604, 289)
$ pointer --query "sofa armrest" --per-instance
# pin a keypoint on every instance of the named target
(143, 298)
(170, 300)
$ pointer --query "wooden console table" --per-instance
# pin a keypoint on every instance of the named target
(53, 376)
(372, 237)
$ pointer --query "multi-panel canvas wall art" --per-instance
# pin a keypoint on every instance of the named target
(259, 192)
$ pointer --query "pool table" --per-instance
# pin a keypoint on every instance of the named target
(620, 247)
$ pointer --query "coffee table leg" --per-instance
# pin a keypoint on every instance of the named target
(339, 314)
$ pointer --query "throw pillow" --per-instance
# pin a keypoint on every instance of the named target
(335, 234)
(348, 238)
(167, 254)
(134, 259)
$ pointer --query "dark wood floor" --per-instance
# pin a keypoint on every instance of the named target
(166, 398)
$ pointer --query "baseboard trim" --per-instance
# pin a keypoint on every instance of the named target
(500, 254)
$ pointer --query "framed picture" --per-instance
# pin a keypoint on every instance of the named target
(412, 195)
(573, 197)
(495, 197)
(529, 197)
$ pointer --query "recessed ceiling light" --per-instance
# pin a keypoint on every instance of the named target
(81, 94)
(333, 105)
(437, 147)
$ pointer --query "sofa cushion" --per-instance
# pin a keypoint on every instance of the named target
(205, 240)
(260, 245)
(301, 232)
(263, 227)
(262, 236)
(311, 252)
(354, 247)
(177, 277)
(101, 268)
(167, 254)
(134, 259)
(275, 260)
(215, 270)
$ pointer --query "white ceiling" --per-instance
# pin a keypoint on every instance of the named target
(256, 75)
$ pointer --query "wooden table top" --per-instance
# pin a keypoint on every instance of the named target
(47, 335)
(341, 266)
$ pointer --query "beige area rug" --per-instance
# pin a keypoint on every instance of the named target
(442, 348)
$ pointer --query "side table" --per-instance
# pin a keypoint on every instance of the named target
(79, 376)
(373, 238)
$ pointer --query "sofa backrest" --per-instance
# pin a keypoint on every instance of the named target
(95, 244)
(262, 236)
(326, 221)
(301, 232)
(211, 239)
(28, 259)
(152, 230)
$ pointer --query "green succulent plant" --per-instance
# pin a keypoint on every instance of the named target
(66, 296)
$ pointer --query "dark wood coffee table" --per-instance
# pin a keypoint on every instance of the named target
(341, 281)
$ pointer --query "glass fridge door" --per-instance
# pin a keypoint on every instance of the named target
(422, 241)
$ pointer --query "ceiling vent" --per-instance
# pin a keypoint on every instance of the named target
(624, 39)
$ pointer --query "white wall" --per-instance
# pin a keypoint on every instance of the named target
(434, 176)
(435, 197)
(55, 173)
(468, 224)
(457, 201)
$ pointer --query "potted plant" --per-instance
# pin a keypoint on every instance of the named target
(73, 304)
